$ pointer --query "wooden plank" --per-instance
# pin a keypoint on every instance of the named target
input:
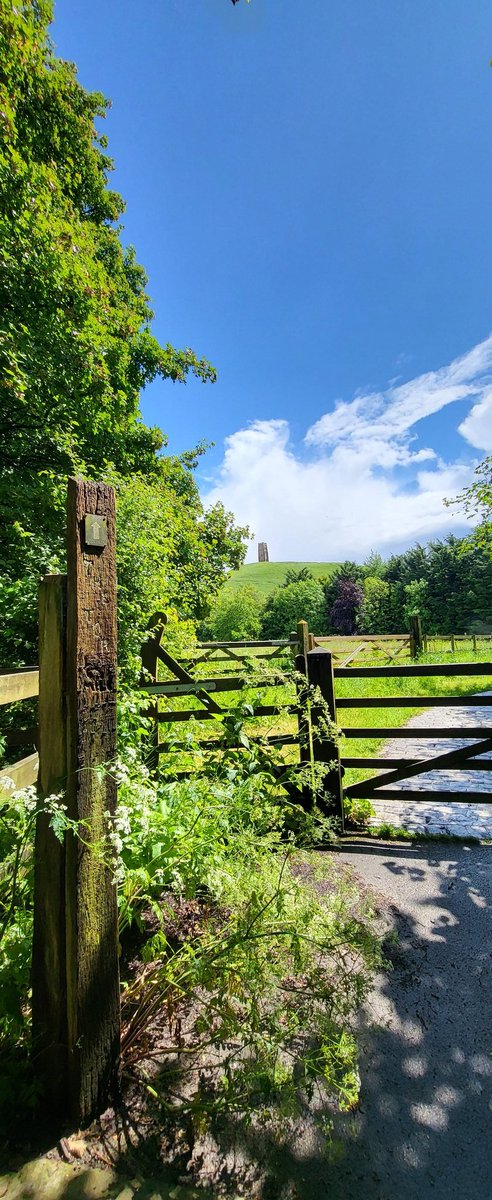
(18, 684)
(22, 774)
(439, 762)
(93, 1001)
(184, 676)
(427, 796)
(221, 683)
(236, 645)
(411, 671)
(345, 663)
(49, 966)
(373, 731)
(217, 744)
(198, 714)
(483, 764)
(368, 637)
(475, 701)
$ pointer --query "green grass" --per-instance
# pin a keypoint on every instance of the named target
(267, 576)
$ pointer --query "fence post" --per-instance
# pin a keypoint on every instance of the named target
(150, 659)
(49, 1018)
(325, 749)
(302, 638)
(92, 974)
(416, 639)
(300, 663)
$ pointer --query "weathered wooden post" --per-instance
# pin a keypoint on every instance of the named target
(150, 660)
(416, 638)
(93, 1003)
(49, 989)
(300, 663)
(325, 748)
(302, 638)
(76, 1015)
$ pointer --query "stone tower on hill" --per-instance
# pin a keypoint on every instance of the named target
(263, 552)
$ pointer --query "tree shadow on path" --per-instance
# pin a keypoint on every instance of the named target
(423, 1125)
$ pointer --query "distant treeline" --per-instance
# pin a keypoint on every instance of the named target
(448, 583)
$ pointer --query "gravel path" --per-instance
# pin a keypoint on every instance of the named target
(422, 1129)
(460, 819)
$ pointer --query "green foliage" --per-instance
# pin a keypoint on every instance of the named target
(299, 576)
(278, 965)
(171, 557)
(76, 349)
(347, 571)
(345, 613)
(415, 601)
(17, 821)
(476, 501)
(376, 613)
(303, 601)
(235, 616)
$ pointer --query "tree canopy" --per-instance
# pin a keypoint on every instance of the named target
(76, 346)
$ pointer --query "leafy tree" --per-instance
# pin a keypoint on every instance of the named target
(346, 609)
(76, 346)
(415, 601)
(374, 565)
(235, 615)
(345, 571)
(285, 606)
(293, 576)
(375, 614)
(476, 501)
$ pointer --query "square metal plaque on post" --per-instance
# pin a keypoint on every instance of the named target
(96, 531)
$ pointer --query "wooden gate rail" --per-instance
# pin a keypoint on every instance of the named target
(17, 684)
(357, 644)
(413, 670)
(200, 714)
(396, 770)
(387, 731)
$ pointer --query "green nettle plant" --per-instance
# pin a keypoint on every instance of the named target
(269, 980)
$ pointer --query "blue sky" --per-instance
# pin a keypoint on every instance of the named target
(309, 187)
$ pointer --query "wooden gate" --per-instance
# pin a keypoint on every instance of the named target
(262, 667)
(395, 770)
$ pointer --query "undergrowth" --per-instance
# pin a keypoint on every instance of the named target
(251, 1010)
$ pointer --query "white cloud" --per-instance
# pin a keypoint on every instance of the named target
(477, 426)
(344, 498)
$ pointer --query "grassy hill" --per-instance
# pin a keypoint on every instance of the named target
(267, 576)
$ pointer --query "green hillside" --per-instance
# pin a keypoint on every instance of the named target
(267, 576)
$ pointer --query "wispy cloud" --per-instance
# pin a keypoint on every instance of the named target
(340, 495)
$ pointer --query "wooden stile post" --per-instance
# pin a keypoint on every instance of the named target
(76, 1017)
(49, 1018)
(416, 638)
(325, 749)
(93, 1008)
(300, 663)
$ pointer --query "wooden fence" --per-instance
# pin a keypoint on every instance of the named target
(75, 980)
(75, 977)
(391, 771)
(322, 668)
(16, 685)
